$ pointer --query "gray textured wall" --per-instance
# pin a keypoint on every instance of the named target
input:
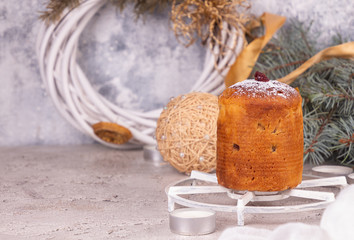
(137, 64)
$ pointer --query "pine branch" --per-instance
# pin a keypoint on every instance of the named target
(327, 89)
(342, 139)
(295, 63)
(351, 98)
(347, 141)
(316, 158)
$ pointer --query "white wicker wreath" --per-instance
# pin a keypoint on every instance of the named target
(77, 100)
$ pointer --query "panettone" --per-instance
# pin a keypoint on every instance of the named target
(260, 136)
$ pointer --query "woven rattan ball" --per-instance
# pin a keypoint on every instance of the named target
(186, 132)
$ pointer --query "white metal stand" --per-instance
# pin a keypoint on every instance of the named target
(178, 191)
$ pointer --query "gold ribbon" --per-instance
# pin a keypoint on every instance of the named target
(345, 50)
(246, 60)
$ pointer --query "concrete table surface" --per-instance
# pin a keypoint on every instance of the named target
(94, 192)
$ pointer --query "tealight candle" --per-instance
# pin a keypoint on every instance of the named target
(331, 170)
(192, 221)
(152, 154)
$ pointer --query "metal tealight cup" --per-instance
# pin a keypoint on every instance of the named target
(192, 221)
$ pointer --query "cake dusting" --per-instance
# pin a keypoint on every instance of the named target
(263, 88)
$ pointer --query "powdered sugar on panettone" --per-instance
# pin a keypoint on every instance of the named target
(270, 88)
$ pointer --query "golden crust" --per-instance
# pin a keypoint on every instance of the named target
(259, 139)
